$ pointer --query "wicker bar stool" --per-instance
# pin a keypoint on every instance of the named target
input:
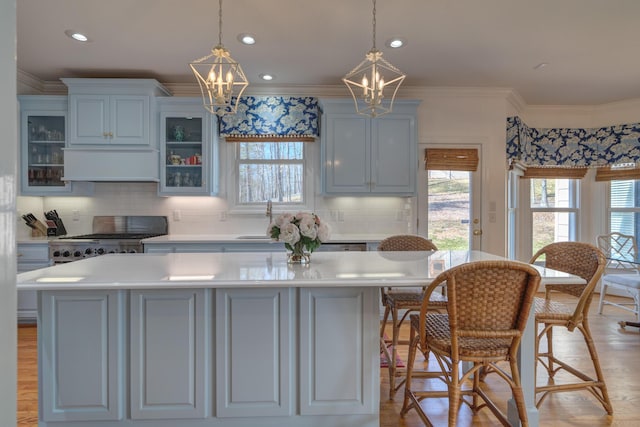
(397, 300)
(489, 303)
(588, 262)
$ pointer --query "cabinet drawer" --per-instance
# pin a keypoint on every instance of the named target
(33, 253)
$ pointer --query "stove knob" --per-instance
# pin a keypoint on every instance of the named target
(77, 254)
(132, 251)
(88, 251)
(66, 254)
(123, 251)
(56, 253)
(112, 251)
(100, 251)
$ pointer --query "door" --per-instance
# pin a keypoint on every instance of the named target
(449, 204)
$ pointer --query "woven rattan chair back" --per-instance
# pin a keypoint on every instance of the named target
(486, 299)
(579, 259)
(488, 306)
(406, 242)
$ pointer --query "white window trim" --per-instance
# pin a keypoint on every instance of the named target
(311, 153)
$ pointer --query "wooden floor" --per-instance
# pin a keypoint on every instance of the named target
(619, 351)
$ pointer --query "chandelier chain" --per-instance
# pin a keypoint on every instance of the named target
(220, 23)
(374, 24)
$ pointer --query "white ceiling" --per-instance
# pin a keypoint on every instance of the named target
(592, 46)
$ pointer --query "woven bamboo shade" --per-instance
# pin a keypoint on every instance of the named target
(557, 173)
(610, 174)
(451, 159)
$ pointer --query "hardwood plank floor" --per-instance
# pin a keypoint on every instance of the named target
(619, 351)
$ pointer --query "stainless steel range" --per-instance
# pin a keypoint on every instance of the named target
(111, 234)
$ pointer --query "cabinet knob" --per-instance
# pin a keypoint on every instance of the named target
(110, 134)
(105, 134)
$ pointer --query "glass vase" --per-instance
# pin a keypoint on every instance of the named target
(298, 257)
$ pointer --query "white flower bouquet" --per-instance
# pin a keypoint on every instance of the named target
(302, 232)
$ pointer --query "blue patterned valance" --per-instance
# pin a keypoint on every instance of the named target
(572, 147)
(272, 116)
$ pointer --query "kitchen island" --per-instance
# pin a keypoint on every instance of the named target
(213, 339)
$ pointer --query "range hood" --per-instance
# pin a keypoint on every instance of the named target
(109, 165)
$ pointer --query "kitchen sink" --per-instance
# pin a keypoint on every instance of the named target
(254, 237)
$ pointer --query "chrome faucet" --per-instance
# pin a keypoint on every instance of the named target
(270, 211)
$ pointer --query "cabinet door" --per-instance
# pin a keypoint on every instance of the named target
(393, 155)
(169, 355)
(254, 352)
(185, 161)
(43, 137)
(343, 320)
(347, 154)
(82, 364)
(89, 120)
(129, 120)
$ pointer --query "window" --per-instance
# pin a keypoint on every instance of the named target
(276, 171)
(554, 211)
(624, 207)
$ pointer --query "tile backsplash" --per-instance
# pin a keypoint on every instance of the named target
(209, 215)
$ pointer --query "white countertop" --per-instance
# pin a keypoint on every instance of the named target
(253, 269)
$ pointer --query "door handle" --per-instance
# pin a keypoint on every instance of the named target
(477, 232)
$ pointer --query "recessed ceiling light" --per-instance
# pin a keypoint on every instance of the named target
(540, 66)
(77, 35)
(396, 42)
(267, 77)
(246, 38)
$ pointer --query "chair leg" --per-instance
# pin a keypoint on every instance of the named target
(394, 353)
(385, 318)
(603, 293)
(454, 393)
(518, 395)
(604, 395)
(413, 345)
(550, 352)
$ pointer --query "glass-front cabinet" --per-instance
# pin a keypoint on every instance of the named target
(43, 136)
(188, 148)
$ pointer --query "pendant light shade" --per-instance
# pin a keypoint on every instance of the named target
(220, 77)
(374, 83)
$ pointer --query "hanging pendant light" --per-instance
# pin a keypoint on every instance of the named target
(220, 77)
(374, 83)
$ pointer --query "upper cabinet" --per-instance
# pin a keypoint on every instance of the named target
(112, 131)
(109, 119)
(188, 148)
(43, 136)
(369, 156)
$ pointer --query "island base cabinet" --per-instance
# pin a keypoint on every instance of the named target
(169, 353)
(339, 368)
(225, 357)
(81, 342)
(254, 352)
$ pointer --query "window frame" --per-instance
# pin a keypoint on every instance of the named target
(611, 209)
(524, 247)
(232, 182)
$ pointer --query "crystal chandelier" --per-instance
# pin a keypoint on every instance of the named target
(220, 77)
(374, 83)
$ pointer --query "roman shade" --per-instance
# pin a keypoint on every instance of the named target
(609, 173)
(572, 147)
(451, 159)
(272, 118)
(554, 173)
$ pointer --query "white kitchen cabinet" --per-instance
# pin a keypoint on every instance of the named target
(82, 376)
(111, 136)
(169, 353)
(250, 320)
(188, 148)
(369, 156)
(31, 256)
(109, 119)
(43, 137)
